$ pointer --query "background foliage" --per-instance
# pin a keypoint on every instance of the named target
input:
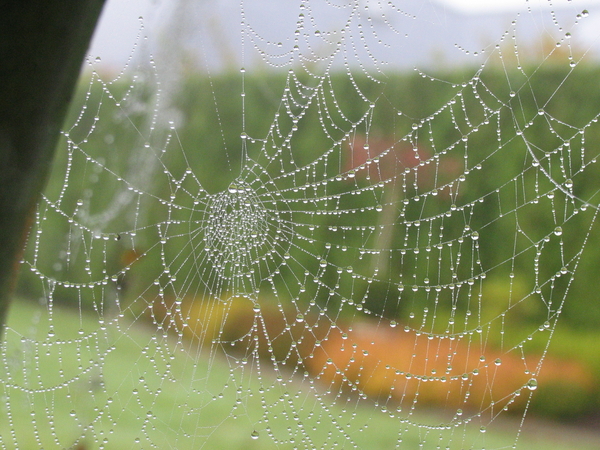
(208, 122)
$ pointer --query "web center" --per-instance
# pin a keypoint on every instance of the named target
(237, 222)
(243, 232)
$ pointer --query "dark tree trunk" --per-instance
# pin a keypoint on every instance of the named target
(42, 46)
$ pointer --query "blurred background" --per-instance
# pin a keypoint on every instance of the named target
(177, 106)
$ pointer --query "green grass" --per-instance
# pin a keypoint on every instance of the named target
(121, 385)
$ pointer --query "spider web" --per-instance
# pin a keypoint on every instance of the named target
(344, 249)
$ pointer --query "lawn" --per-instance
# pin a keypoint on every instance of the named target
(70, 380)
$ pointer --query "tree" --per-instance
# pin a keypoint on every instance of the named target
(42, 46)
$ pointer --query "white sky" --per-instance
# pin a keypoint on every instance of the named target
(119, 23)
(480, 6)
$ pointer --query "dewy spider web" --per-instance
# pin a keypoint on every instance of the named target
(348, 279)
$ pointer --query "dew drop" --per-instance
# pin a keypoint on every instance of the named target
(254, 435)
(558, 231)
(532, 384)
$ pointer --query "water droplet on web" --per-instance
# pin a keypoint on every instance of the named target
(254, 435)
(323, 263)
(532, 384)
(558, 231)
(569, 183)
(300, 318)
